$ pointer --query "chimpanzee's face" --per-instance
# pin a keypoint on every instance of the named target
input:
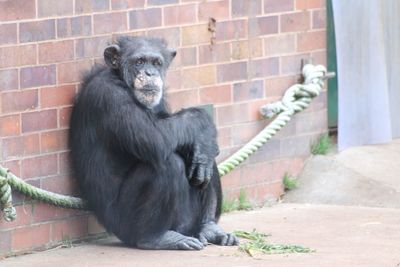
(142, 63)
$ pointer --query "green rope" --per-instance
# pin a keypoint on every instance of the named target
(295, 99)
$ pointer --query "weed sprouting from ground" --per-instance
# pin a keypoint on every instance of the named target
(240, 203)
(257, 244)
(322, 146)
(289, 182)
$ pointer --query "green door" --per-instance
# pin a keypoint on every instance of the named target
(332, 83)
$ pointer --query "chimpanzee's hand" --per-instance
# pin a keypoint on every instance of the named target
(201, 169)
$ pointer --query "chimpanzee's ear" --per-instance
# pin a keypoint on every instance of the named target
(112, 56)
(172, 53)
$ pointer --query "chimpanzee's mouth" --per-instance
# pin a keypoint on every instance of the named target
(150, 89)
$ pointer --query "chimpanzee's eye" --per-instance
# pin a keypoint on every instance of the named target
(157, 62)
(139, 61)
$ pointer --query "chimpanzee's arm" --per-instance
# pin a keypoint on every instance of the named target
(151, 139)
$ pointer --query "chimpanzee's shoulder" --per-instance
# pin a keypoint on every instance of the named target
(101, 77)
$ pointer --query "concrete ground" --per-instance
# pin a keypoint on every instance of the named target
(363, 230)
(359, 176)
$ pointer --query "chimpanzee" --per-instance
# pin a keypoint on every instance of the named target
(149, 176)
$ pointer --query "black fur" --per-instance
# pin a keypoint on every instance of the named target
(144, 171)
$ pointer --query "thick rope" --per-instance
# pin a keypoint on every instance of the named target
(295, 99)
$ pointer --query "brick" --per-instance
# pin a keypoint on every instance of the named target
(217, 94)
(280, 44)
(5, 241)
(187, 56)
(319, 19)
(126, 4)
(9, 125)
(64, 116)
(91, 47)
(145, 18)
(39, 120)
(42, 212)
(161, 2)
(198, 76)
(30, 237)
(47, 8)
(214, 53)
(24, 213)
(8, 33)
(52, 52)
(15, 167)
(110, 22)
(90, 6)
(21, 146)
(242, 8)
(196, 34)
(174, 80)
(64, 163)
(264, 67)
(19, 101)
(63, 184)
(319, 57)
(292, 64)
(218, 10)
(38, 76)
(39, 166)
(271, 150)
(311, 122)
(294, 22)
(54, 141)
(265, 26)
(276, 87)
(248, 90)
(254, 108)
(94, 227)
(246, 49)
(16, 56)
(296, 146)
(71, 72)
(311, 41)
(170, 34)
(75, 26)
(182, 99)
(232, 72)
(9, 79)
(69, 229)
(273, 6)
(178, 15)
(233, 29)
(232, 114)
(11, 10)
(231, 181)
(310, 4)
(224, 137)
(241, 134)
(35, 31)
(57, 96)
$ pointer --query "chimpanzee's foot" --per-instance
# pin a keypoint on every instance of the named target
(171, 240)
(212, 233)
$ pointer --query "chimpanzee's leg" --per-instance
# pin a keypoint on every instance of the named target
(211, 199)
(149, 205)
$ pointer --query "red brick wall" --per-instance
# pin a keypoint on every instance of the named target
(253, 55)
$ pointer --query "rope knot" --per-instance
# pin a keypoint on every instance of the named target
(9, 212)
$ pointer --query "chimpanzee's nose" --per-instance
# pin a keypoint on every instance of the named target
(149, 72)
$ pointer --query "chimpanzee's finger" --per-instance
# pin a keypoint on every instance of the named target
(200, 172)
(191, 170)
